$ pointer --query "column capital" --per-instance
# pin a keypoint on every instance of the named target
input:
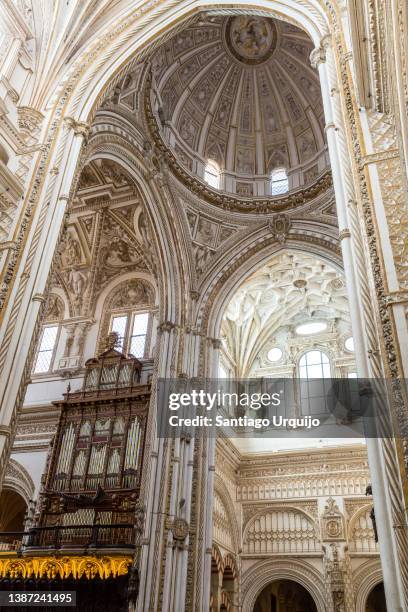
(166, 326)
(80, 128)
(318, 55)
(216, 343)
(345, 233)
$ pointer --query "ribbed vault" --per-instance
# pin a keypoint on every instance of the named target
(293, 288)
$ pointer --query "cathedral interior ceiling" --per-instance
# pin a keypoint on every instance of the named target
(241, 91)
(107, 235)
(290, 289)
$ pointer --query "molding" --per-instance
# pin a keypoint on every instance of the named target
(86, 566)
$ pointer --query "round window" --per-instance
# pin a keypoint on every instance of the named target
(349, 344)
(275, 354)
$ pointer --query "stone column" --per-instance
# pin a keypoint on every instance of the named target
(363, 325)
(26, 296)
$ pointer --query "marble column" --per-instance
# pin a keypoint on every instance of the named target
(323, 59)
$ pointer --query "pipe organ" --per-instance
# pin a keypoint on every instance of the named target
(91, 489)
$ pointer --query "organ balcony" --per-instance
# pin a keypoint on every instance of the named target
(90, 499)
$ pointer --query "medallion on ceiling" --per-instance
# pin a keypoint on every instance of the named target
(250, 39)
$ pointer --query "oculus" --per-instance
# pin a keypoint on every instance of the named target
(307, 329)
(274, 355)
(349, 344)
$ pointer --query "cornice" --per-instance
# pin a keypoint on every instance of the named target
(228, 202)
(312, 456)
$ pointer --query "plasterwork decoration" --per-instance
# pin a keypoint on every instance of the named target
(365, 578)
(336, 575)
(208, 91)
(361, 533)
(226, 531)
(280, 226)
(292, 111)
(352, 505)
(29, 121)
(393, 192)
(17, 478)
(250, 39)
(332, 522)
(131, 294)
(266, 571)
(88, 567)
(274, 299)
(55, 309)
(114, 239)
(180, 529)
(392, 364)
(273, 530)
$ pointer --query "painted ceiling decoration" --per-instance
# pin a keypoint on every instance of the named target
(241, 91)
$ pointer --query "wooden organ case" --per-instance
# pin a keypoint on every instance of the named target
(90, 497)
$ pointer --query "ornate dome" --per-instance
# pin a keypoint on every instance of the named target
(241, 91)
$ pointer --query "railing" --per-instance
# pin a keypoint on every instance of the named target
(97, 536)
(10, 541)
(120, 391)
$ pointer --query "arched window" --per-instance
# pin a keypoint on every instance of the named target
(349, 344)
(132, 329)
(49, 336)
(128, 312)
(314, 364)
(279, 181)
(212, 174)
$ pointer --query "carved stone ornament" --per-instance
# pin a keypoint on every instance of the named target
(280, 226)
(317, 56)
(112, 341)
(55, 308)
(179, 528)
(133, 293)
(80, 128)
(166, 326)
(332, 522)
(29, 119)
